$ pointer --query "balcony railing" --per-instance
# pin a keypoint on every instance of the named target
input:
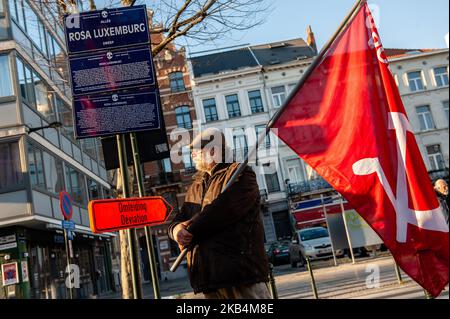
(308, 186)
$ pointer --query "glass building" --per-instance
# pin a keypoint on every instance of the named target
(35, 166)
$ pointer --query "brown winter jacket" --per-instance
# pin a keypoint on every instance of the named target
(228, 234)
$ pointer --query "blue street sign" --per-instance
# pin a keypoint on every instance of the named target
(117, 113)
(65, 204)
(112, 70)
(313, 203)
(69, 235)
(68, 225)
(108, 28)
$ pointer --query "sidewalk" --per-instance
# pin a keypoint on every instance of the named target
(345, 281)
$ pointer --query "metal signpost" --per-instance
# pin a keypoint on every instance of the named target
(349, 239)
(329, 230)
(114, 86)
(65, 203)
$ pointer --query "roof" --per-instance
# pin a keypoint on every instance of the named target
(223, 61)
(399, 53)
(260, 55)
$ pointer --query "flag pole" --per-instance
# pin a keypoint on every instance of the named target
(317, 60)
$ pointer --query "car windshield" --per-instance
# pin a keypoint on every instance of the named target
(313, 234)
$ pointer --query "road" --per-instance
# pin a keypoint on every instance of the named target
(346, 281)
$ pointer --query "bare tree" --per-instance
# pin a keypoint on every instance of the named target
(200, 21)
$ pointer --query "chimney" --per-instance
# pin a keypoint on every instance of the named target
(311, 39)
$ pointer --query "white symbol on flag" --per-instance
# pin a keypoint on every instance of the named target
(429, 219)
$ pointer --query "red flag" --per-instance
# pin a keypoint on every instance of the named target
(348, 122)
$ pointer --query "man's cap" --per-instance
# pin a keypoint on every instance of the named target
(210, 137)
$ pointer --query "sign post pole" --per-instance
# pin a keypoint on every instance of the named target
(344, 217)
(65, 204)
(131, 233)
(329, 230)
(148, 230)
(66, 241)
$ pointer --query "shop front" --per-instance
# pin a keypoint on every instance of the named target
(45, 256)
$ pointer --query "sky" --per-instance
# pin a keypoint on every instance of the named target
(402, 23)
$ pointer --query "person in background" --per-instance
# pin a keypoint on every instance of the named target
(294, 252)
(441, 189)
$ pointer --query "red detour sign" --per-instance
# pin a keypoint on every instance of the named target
(116, 214)
(65, 203)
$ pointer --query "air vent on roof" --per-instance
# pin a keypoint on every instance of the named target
(275, 61)
(302, 57)
(277, 45)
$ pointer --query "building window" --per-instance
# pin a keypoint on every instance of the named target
(278, 96)
(177, 82)
(36, 167)
(256, 103)
(10, 170)
(56, 55)
(441, 76)
(26, 83)
(435, 157)
(233, 107)
(240, 145)
(183, 117)
(17, 12)
(294, 171)
(89, 146)
(35, 29)
(94, 189)
(261, 129)
(65, 117)
(273, 185)
(5, 78)
(425, 118)
(291, 87)
(445, 103)
(187, 158)
(43, 97)
(166, 165)
(54, 175)
(415, 81)
(209, 106)
(76, 185)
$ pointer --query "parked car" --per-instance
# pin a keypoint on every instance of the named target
(315, 243)
(278, 252)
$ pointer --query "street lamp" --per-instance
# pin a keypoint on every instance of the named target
(54, 125)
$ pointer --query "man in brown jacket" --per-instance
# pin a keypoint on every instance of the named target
(223, 231)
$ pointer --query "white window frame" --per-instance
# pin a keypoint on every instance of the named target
(289, 163)
(436, 160)
(9, 76)
(441, 76)
(445, 108)
(422, 116)
(421, 78)
(278, 96)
